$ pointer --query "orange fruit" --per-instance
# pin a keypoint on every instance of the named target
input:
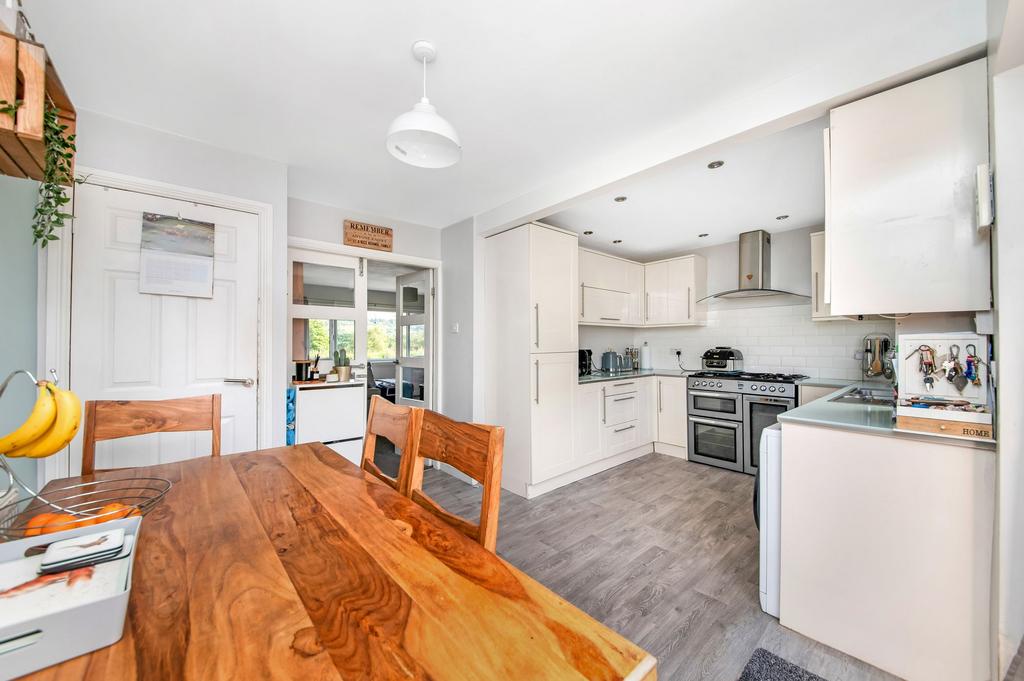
(116, 510)
(35, 525)
(58, 522)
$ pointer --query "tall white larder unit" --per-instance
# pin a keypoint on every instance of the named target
(531, 303)
(901, 232)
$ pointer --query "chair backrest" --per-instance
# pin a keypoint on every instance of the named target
(471, 448)
(401, 426)
(113, 419)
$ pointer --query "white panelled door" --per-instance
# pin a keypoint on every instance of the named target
(127, 345)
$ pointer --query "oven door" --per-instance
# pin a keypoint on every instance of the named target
(759, 412)
(728, 406)
(715, 442)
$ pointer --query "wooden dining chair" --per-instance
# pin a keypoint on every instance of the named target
(471, 448)
(114, 419)
(400, 425)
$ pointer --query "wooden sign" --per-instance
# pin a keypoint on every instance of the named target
(365, 235)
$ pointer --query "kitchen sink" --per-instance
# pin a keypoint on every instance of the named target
(881, 397)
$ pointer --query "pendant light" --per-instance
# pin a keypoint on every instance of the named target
(421, 137)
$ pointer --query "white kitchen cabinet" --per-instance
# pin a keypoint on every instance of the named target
(553, 275)
(901, 227)
(671, 409)
(551, 414)
(820, 310)
(588, 411)
(332, 413)
(530, 324)
(672, 289)
(610, 289)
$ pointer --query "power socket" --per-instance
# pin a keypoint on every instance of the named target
(677, 352)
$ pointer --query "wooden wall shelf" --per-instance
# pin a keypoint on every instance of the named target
(27, 74)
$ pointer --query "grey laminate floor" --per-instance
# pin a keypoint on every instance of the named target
(662, 550)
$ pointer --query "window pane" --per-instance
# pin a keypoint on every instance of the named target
(413, 299)
(380, 335)
(413, 340)
(323, 337)
(323, 285)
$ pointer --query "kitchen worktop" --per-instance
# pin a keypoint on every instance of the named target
(600, 376)
(872, 419)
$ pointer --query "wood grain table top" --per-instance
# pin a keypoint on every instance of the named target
(292, 563)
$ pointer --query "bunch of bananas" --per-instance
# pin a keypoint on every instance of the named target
(50, 426)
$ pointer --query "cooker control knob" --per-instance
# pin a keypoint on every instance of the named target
(763, 388)
(772, 389)
(719, 385)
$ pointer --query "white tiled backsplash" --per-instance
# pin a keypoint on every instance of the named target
(776, 339)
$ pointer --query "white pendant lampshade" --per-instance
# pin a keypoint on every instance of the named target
(421, 137)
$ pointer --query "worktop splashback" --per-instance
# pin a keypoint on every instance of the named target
(775, 339)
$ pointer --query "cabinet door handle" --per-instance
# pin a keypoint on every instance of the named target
(536, 324)
(647, 307)
(536, 372)
(624, 399)
(583, 300)
(620, 385)
(610, 319)
(689, 305)
(604, 407)
(619, 430)
(817, 296)
(659, 397)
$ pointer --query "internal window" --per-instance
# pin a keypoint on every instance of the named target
(380, 335)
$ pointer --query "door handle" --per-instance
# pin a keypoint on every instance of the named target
(647, 306)
(724, 396)
(619, 430)
(247, 382)
(659, 397)
(610, 319)
(604, 407)
(817, 296)
(624, 399)
(709, 422)
(536, 324)
(536, 369)
(689, 305)
(583, 300)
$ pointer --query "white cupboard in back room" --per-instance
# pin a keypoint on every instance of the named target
(901, 231)
(672, 289)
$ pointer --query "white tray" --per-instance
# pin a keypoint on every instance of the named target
(52, 638)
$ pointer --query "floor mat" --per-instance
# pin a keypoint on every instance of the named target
(764, 666)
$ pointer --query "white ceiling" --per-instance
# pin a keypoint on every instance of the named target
(534, 87)
(668, 206)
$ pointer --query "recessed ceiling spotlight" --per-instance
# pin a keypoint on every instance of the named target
(588, 232)
(701, 236)
(781, 217)
(617, 241)
(620, 199)
(716, 164)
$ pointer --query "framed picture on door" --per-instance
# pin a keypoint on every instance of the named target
(176, 256)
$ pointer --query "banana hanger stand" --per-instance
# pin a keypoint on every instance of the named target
(73, 505)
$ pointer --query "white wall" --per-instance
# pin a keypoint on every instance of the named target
(1008, 244)
(774, 333)
(112, 145)
(319, 221)
(457, 304)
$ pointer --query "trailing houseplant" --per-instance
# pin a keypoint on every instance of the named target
(60, 150)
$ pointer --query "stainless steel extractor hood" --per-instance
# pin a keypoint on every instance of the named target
(755, 278)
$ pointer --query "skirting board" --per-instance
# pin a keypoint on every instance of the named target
(670, 450)
(533, 491)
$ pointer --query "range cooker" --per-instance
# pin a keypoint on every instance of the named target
(727, 410)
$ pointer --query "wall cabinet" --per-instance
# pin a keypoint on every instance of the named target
(672, 289)
(820, 310)
(610, 289)
(671, 410)
(900, 210)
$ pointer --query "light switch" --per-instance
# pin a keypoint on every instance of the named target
(454, 327)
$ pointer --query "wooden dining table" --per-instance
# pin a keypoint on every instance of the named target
(292, 563)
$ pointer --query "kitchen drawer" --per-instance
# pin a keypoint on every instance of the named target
(621, 408)
(621, 438)
(619, 387)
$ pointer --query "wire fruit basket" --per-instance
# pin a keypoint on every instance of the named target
(74, 505)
